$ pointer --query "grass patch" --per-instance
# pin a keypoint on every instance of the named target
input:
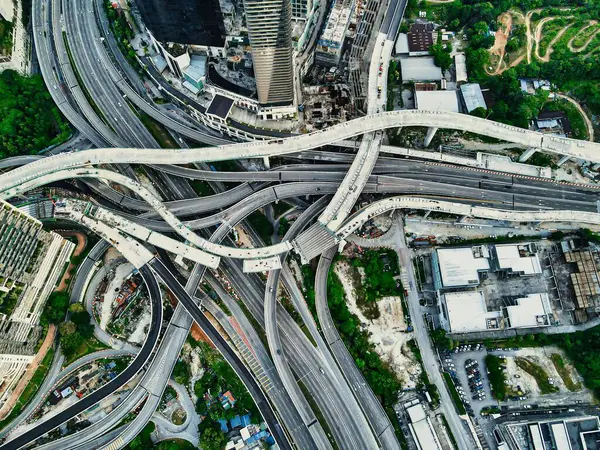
(90, 345)
(178, 417)
(497, 377)
(158, 132)
(31, 389)
(564, 372)
(454, 394)
(537, 372)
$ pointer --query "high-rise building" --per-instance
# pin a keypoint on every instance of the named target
(269, 30)
(301, 9)
(195, 22)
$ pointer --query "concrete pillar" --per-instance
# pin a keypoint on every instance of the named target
(528, 154)
(427, 214)
(430, 134)
(563, 160)
(596, 166)
(266, 162)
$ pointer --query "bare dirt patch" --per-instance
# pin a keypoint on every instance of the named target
(387, 332)
(498, 50)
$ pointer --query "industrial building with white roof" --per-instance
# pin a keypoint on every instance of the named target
(456, 271)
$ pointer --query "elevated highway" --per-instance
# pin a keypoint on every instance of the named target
(589, 151)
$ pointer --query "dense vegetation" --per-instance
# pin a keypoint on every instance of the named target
(29, 120)
(76, 331)
(575, 73)
(261, 224)
(181, 373)
(380, 377)
(496, 376)
(55, 308)
(380, 267)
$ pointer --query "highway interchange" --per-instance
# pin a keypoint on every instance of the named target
(350, 410)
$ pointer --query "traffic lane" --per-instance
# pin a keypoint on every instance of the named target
(246, 377)
(113, 385)
(101, 65)
(305, 363)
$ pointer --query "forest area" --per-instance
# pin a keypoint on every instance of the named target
(575, 73)
(29, 119)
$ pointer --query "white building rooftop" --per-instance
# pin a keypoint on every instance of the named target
(402, 44)
(422, 429)
(530, 311)
(511, 256)
(561, 439)
(461, 266)
(460, 63)
(419, 69)
(436, 101)
(467, 312)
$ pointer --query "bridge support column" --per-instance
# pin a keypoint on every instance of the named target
(528, 154)
(266, 162)
(430, 134)
(563, 160)
(596, 166)
(427, 214)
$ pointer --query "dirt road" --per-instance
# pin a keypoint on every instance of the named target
(81, 243)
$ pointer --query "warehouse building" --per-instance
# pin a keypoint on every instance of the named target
(436, 101)
(573, 433)
(467, 311)
(421, 428)
(420, 69)
(461, 266)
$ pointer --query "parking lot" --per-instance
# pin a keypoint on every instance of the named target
(454, 363)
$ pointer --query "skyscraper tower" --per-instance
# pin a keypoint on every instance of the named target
(270, 33)
(196, 22)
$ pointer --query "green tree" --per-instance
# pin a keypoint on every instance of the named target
(76, 307)
(55, 308)
(441, 57)
(212, 439)
(29, 119)
(67, 328)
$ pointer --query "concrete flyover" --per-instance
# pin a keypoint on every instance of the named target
(589, 151)
(462, 209)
